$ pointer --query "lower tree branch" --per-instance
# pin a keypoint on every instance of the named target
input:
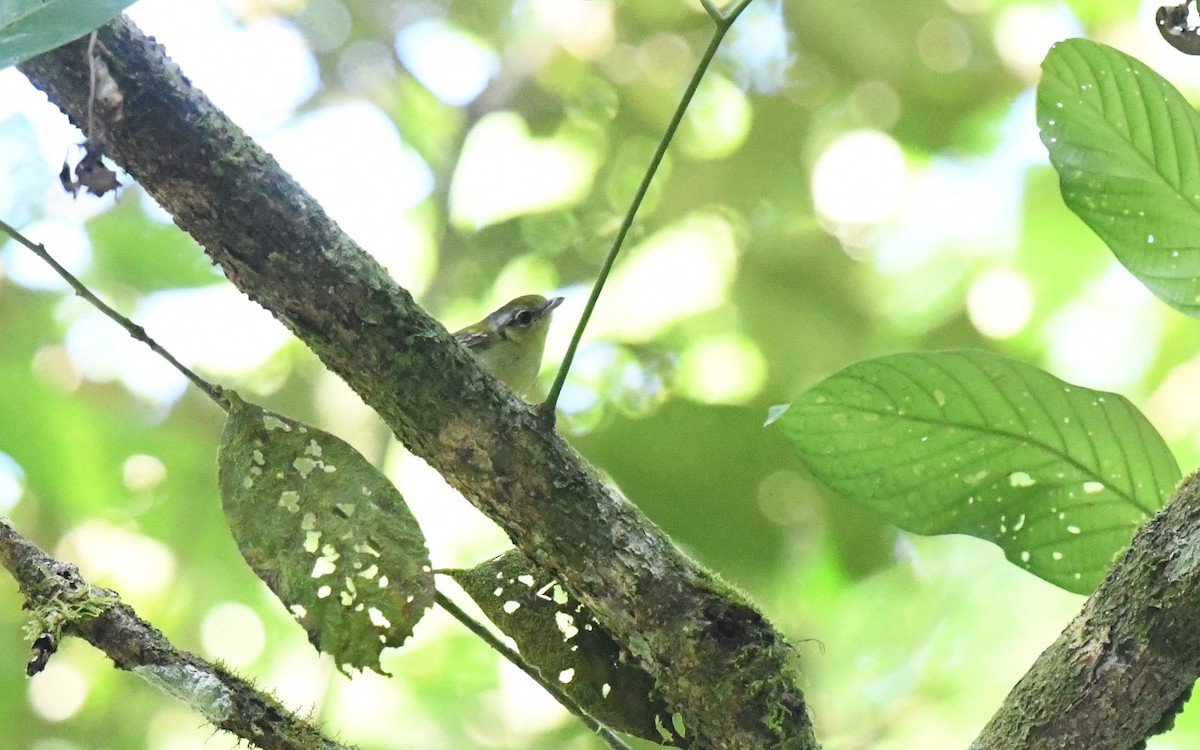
(62, 601)
(718, 662)
(1125, 666)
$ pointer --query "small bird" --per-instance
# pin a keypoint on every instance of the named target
(510, 341)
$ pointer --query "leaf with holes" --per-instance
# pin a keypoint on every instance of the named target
(562, 639)
(31, 27)
(326, 531)
(1126, 146)
(968, 442)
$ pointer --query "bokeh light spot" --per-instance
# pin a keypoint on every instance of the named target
(1173, 408)
(12, 482)
(326, 24)
(366, 178)
(233, 335)
(503, 172)
(1108, 336)
(449, 61)
(67, 243)
(682, 270)
(233, 633)
(999, 303)
(860, 179)
(721, 370)
(665, 59)
(759, 47)
(54, 367)
(140, 567)
(367, 68)
(58, 691)
(943, 45)
(265, 68)
(583, 29)
(1023, 32)
(143, 472)
(876, 104)
(718, 120)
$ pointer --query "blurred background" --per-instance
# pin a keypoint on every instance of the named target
(855, 177)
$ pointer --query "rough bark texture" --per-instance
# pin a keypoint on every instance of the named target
(1125, 666)
(718, 662)
(60, 598)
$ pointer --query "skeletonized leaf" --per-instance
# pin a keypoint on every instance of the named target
(1060, 477)
(1126, 146)
(326, 531)
(564, 641)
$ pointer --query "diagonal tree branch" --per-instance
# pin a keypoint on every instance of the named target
(56, 592)
(717, 660)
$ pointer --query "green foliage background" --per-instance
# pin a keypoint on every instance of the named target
(906, 642)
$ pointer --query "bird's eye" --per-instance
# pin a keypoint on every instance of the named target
(523, 318)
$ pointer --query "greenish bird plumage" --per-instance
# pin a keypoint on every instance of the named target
(510, 341)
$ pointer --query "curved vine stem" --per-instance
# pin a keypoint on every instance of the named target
(138, 333)
(724, 20)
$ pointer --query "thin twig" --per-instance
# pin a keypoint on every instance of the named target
(724, 21)
(604, 733)
(137, 332)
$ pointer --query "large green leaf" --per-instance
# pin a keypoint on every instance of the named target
(1060, 477)
(326, 531)
(31, 27)
(1126, 146)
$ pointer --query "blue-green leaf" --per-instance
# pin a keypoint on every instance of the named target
(1059, 476)
(31, 27)
(1126, 146)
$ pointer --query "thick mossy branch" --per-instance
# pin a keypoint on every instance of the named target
(1122, 670)
(58, 595)
(717, 660)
